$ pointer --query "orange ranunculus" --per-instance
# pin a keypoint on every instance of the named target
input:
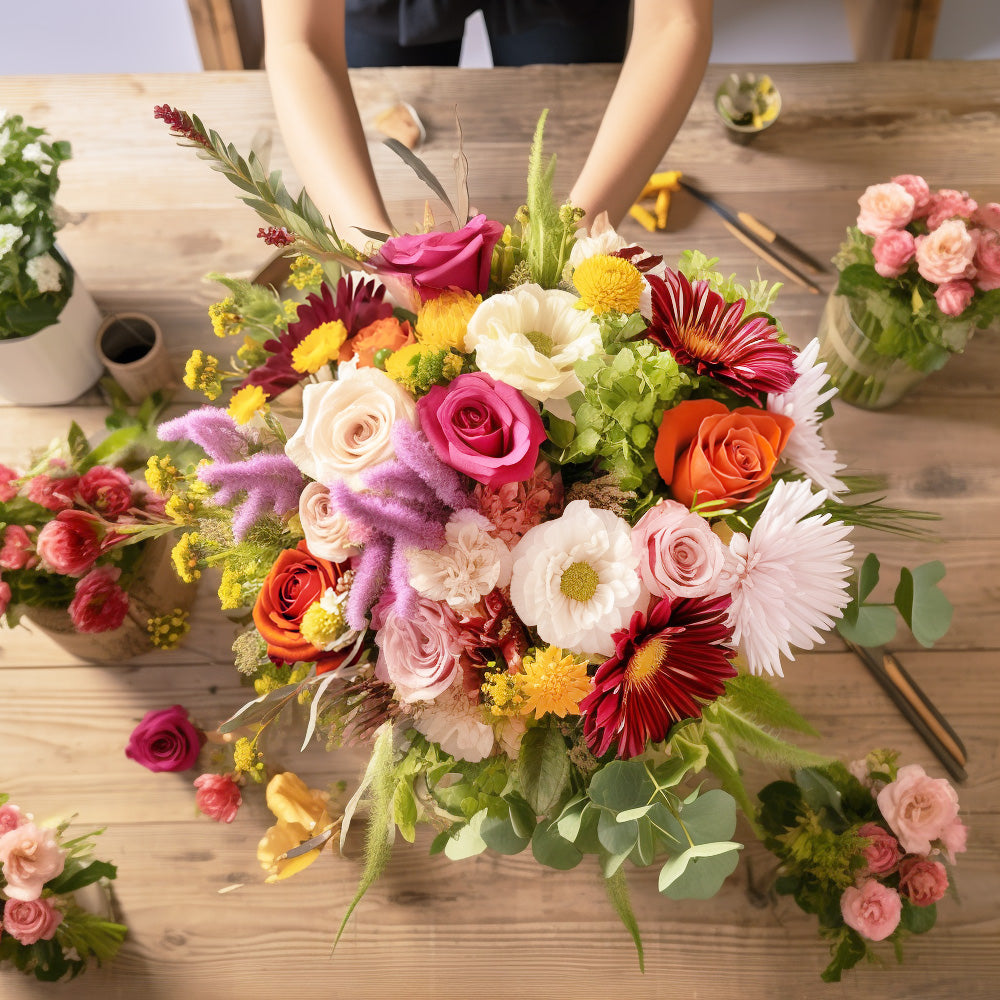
(706, 453)
(383, 334)
(296, 581)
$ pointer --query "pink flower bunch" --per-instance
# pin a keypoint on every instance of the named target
(944, 236)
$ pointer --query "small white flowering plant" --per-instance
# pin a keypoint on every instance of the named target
(35, 281)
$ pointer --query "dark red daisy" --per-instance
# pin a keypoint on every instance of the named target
(710, 335)
(663, 669)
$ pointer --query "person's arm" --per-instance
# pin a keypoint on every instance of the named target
(663, 68)
(307, 72)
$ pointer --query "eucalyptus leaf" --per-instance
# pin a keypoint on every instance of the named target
(522, 819)
(873, 625)
(621, 785)
(818, 791)
(542, 767)
(468, 842)
(552, 850)
(699, 872)
(499, 834)
(922, 604)
(615, 837)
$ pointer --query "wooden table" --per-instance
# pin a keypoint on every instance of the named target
(149, 220)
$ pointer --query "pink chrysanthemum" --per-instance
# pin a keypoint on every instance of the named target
(710, 335)
(663, 669)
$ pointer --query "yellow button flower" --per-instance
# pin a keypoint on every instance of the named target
(608, 284)
(319, 347)
(248, 401)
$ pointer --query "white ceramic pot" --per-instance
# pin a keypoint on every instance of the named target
(56, 364)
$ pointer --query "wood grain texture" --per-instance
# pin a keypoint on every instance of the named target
(149, 221)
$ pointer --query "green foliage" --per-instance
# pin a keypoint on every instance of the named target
(542, 767)
(618, 895)
(759, 295)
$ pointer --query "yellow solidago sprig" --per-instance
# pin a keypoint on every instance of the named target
(247, 759)
(246, 403)
(166, 631)
(226, 321)
(608, 284)
(201, 374)
(306, 273)
(417, 367)
(187, 556)
(503, 692)
(553, 681)
(162, 476)
(319, 347)
(303, 815)
(442, 322)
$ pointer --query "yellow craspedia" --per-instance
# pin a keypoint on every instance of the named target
(251, 399)
(201, 374)
(554, 682)
(608, 284)
(321, 626)
(319, 347)
(442, 322)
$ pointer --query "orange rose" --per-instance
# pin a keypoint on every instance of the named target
(384, 334)
(706, 453)
(297, 580)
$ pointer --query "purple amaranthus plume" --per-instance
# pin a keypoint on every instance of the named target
(212, 429)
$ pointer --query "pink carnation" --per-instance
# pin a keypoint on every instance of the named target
(884, 207)
(987, 260)
(30, 857)
(947, 253)
(99, 604)
(17, 551)
(7, 476)
(30, 921)
(218, 796)
(10, 818)
(893, 251)
(953, 297)
(513, 508)
(922, 881)
(883, 853)
(873, 910)
(949, 204)
(918, 808)
(918, 189)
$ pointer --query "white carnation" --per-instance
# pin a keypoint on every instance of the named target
(454, 721)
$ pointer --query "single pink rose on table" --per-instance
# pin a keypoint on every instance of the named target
(917, 808)
(429, 263)
(947, 253)
(99, 604)
(16, 549)
(52, 492)
(884, 207)
(7, 476)
(30, 921)
(30, 856)
(872, 909)
(218, 796)
(919, 189)
(106, 490)
(893, 251)
(882, 855)
(483, 428)
(922, 881)
(987, 260)
(11, 818)
(954, 297)
(71, 542)
(949, 204)
(329, 535)
(165, 740)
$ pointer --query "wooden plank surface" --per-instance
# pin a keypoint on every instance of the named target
(149, 220)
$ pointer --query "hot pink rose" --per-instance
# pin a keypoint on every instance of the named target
(165, 740)
(99, 604)
(10, 818)
(953, 838)
(953, 297)
(16, 551)
(218, 797)
(5, 596)
(919, 189)
(917, 807)
(7, 476)
(987, 260)
(893, 251)
(30, 857)
(483, 428)
(108, 491)
(678, 552)
(873, 910)
(53, 493)
(949, 204)
(884, 207)
(947, 253)
(432, 262)
(31, 920)
(988, 215)
(883, 853)
(922, 881)
(71, 542)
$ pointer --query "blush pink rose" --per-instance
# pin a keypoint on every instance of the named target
(893, 251)
(29, 921)
(678, 552)
(987, 260)
(99, 604)
(52, 493)
(108, 491)
(420, 654)
(919, 189)
(917, 807)
(218, 796)
(433, 262)
(988, 215)
(922, 881)
(953, 838)
(949, 204)
(947, 253)
(10, 818)
(883, 853)
(873, 910)
(483, 428)
(953, 297)
(884, 207)
(30, 857)
(70, 543)
(5, 596)
(7, 476)
(16, 551)
(329, 535)
(165, 740)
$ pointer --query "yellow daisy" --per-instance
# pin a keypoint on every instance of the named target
(319, 347)
(249, 400)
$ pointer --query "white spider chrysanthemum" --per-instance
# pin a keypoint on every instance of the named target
(455, 722)
(530, 338)
(575, 579)
(805, 449)
(789, 577)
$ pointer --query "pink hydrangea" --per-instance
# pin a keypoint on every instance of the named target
(949, 204)
(883, 853)
(872, 909)
(922, 881)
(918, 808)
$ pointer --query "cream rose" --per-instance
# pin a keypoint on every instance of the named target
(347, 425)
(30, 857)
(884, 207)
(329, 535)
(947, 253)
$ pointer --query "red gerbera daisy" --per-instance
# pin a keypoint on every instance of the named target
(707, 333)
(662, 670)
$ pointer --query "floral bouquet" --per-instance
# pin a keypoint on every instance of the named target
(860, 847)
(919, 272)
(532, 514)
(35, 282)
(44, 931)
